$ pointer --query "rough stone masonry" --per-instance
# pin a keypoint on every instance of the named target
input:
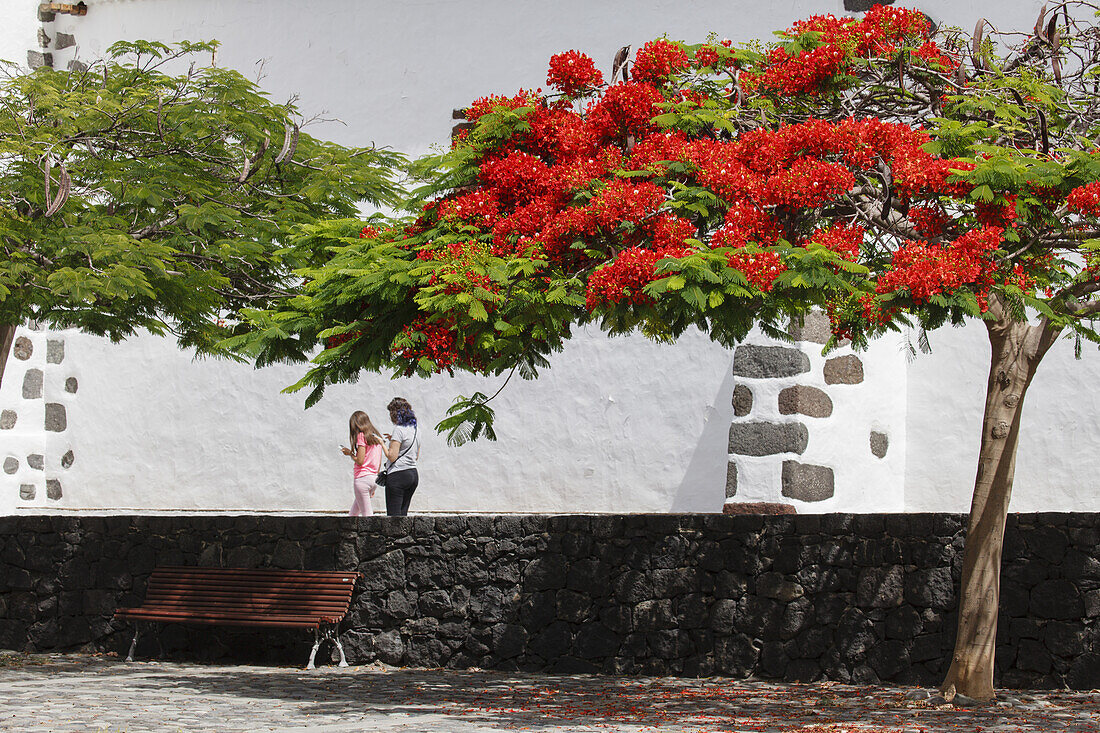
(855, 598)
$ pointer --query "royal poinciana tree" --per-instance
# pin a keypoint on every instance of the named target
(132, 198)
(855, 165)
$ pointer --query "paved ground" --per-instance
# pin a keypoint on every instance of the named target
(83, 693)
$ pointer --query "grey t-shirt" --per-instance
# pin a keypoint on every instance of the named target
(409, 438)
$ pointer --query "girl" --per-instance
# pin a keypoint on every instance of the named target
(366, 451)
(402, 453)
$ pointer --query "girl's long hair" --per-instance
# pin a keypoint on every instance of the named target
(401, 412)
(360, 423)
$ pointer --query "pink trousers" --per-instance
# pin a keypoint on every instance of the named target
(363, 488)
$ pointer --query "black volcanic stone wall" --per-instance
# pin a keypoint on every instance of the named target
(862, 598)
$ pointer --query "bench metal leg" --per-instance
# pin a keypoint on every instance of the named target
(339, 647)
(326, 633)
(133, 644)
(313, 652)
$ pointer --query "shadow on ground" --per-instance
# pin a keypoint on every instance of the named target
(552, 702)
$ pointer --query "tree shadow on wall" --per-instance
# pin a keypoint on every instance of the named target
(703, 486)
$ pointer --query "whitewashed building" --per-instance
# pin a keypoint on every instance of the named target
(617, 425)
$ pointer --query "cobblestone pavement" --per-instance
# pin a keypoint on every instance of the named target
(85, 693)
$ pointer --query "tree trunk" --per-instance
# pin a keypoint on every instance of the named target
(7, 335)
(1016, 350)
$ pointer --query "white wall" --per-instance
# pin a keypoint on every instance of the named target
(616, 424)
(18, 31)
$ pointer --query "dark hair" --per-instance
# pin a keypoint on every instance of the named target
(401, 412)
(360, 423)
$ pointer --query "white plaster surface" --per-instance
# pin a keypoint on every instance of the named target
(160, 430)
(18, 30)
(840, 441)
(1057, 463)
(616, 424)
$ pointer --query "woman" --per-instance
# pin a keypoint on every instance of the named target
(402, 449)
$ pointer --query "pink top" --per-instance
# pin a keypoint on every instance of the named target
(373, 460)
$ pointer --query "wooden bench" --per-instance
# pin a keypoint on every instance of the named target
(286, 599)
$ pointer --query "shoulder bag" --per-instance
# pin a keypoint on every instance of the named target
(380, 479)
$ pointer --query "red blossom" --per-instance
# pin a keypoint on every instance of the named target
(573, 73)
(657, 60)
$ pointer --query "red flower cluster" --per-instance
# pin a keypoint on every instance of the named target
(624, 200)
(746, 223)
(997, 215)
(929, 221)
(760, 268)
(341, 338)
(1085, 200)
(814, 69)
(573, 73)
(844, 239)
(433, 341)
(657, 60)
(926, 269)
(625, 109)
(622, 280)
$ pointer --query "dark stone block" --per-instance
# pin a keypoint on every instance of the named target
(862, 6)
(742, 400)
(38, 59)
(632, 587)
(796, 618)
(56, 420)
(1066, 639)
(731, 479)
(32, 384)
(1084, 672)
(933, 588)
(765, 439)
(776, 586)
(509, 640)
(735, 655)
(385, 572)
(802, 670)
(807, 482)
(595, 641)
(814, 327)
(888, 658)
(654, 615)
(855, 635)
(545, 573)
(812, 643)
(552, 642)
(880, 443)
(769, 362)
(1032, 656)
(773, 659)
(435, 603)
(802, 399)
(1047, 543)
(844, 370)
(1057, 599)
(669, 644)
(880, 588)
(573, 606)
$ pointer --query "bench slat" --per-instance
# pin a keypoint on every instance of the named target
(275, 608)
(245, 596)
(230, 591)
(309, 575)
(290, 622)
